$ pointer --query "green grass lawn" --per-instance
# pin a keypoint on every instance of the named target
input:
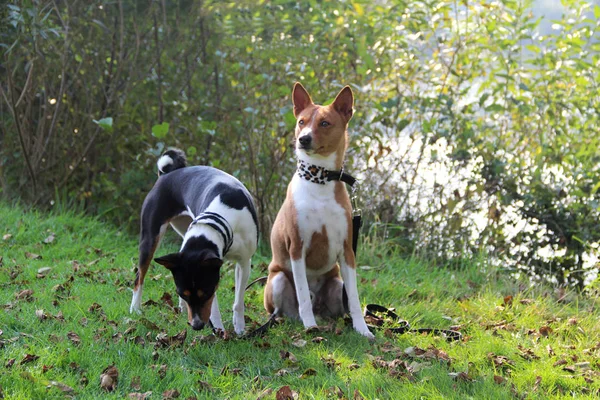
(65, 319)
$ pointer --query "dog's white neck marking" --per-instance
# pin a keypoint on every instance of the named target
(328, 162)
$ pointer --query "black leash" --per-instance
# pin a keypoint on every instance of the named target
(375, 312)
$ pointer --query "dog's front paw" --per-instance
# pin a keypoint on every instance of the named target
(135, 308)
(239, 325)
(369, 335)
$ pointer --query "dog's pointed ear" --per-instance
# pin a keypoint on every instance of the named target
(344, 103)
(300, 98)
(170, 261)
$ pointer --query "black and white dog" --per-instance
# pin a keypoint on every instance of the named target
(214, 214)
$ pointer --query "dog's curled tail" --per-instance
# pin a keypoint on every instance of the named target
(171, 160)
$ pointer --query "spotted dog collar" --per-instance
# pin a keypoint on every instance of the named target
(219, 224)
(314, 173)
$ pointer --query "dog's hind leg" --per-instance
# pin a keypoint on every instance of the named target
(330, 298)
(150, 239)
(242, 273)
(280, 296)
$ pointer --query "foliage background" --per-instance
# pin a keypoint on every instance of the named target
(472, 133)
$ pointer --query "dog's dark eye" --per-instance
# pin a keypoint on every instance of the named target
(325, 124)
(301, 122)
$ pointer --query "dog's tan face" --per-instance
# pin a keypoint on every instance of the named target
(321, 129)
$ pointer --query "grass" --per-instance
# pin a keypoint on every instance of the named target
(519, 341)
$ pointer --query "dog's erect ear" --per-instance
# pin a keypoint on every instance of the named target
(300, 98)
(170, 261)
(344, 103)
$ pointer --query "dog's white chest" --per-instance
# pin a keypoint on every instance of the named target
(317, 209)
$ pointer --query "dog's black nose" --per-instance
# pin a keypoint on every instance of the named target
(305, 140)
(197, 323)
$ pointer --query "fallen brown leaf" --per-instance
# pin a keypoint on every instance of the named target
(24, 295)
(32, 256)
(527, 354)
(41, 315)
(288, 356)
(545, 330)
(170, 394)
(526, 301)
(499, 379)
(64, 388)
(29, 358)
(318, 339)
(136, 383)
(139, 396)
(560, 362)
(73, 337)
(460, 376)
(50, 239)
(538, 382)
(569, 368)
(508, 300)
(299, 343)
(109, 378)
(308, 372)
(286, 393)
(167, 298)
(357, 395)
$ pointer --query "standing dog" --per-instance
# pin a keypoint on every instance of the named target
(214, 214)
(313, 230)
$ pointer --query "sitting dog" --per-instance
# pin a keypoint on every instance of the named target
(313, 229)
(214, 214)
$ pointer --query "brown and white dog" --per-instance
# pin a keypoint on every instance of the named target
(313, 230)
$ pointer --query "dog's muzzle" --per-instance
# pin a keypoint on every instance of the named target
(197, 324)
(305, 142)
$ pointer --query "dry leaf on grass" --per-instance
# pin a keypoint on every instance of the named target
(560, 362)
(170, 394)
(308, 372)
(299, 343)
(73, 337)
(499, 380)
(286, 393)
(50, 238)
(139, 396)
(28, 358)
(24, 295)
(64, 388)
(461, 376)
(109, 378)
(6, 236)
(545, 330)
(136, 383)
(32, 256)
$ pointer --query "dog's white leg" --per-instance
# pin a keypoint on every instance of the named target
(136, 300)
(215, 315)
(303, 293)
(183, 307)
(358, 321)
(242, 273)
